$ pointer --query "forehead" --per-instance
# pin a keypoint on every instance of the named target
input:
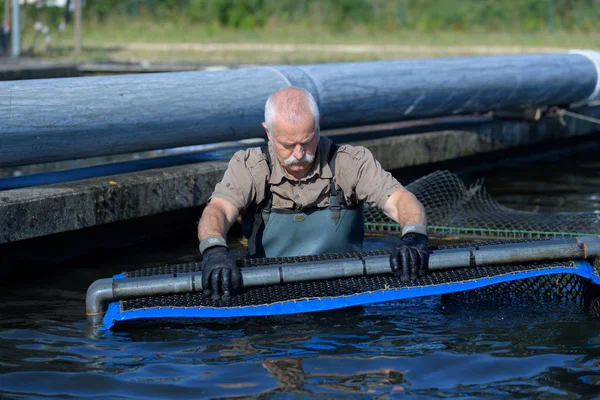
(294, 131)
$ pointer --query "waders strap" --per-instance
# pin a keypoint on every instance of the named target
(257, 217)
(268, 202)
(336, 197)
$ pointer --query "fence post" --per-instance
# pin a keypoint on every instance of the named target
(15, 28)
(77, 26)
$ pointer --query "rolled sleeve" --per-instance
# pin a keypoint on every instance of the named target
(358, 169)
(237, 184)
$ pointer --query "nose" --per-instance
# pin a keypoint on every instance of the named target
(299, 151)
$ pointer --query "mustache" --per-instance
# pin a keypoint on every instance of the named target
(306, 159)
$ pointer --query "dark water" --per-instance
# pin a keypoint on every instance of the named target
(418, 348)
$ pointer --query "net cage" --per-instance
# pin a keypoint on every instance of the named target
(566, 283)
(452, 209)
(455, 209)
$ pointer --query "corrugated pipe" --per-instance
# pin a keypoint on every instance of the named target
(59, 119)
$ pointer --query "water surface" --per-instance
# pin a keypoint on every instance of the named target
(419, 347)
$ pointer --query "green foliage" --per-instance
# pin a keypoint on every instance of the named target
(243, 14)
(341, 14)
(45, 15)
(102, 9)
(344, 15)
(501, 15)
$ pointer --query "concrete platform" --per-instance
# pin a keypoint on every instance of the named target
(34, 68)
(12, 69)
(46, 210)
(106, 68)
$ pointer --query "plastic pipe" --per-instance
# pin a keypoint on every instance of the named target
(59, 119)
(106, 290)
(15, 29)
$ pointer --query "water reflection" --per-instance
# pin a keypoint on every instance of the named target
(415, 347)
(422, 347)
(565, 186)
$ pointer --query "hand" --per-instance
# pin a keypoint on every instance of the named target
(409, 257)
(221, 277)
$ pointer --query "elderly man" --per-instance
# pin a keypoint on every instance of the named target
(303, 195)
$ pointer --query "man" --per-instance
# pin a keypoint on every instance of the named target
(304, 195)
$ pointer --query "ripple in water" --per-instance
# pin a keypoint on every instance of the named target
(424, 347)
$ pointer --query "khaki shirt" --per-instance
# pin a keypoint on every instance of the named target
(357, 174)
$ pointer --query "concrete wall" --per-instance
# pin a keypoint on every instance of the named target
(425, 148)
(39, 211)
(22, 68)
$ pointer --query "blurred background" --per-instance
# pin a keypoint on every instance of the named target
(291, 31)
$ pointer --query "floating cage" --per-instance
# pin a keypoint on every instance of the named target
(573, 283)
(452, 209)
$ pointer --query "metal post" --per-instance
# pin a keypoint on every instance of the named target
(16, 28)
(77, 26)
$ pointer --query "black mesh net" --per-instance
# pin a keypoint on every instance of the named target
(559, 287)
(469, 211)
(452, 209)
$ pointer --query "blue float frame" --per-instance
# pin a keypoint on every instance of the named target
(115, 313)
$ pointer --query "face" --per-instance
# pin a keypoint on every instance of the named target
(295, 145)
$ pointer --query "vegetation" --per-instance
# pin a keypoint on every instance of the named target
(109, 24)
(341, 15)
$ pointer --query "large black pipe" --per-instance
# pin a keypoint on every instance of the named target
(50, 120)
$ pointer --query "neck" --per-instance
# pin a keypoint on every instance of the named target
(297, 174)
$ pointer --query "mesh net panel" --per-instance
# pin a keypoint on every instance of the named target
(547, 288)
(559, 287)
(454, 209)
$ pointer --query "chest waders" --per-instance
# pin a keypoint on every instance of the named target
(273, 232)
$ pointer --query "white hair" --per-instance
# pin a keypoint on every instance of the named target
(292, 114)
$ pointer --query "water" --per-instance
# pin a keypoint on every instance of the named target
(418, 348)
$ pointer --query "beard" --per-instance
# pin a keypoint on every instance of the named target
(306, 159)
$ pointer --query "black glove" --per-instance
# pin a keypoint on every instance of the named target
(409, 257)
(221, 277)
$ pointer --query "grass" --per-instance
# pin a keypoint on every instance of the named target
(134, 41)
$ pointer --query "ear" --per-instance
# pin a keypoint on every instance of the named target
(264, 124)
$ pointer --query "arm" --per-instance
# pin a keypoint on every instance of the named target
(217, 218)
(404, 208)
(359, 172)
(233, 193)
(220, 275)
(409, 258)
